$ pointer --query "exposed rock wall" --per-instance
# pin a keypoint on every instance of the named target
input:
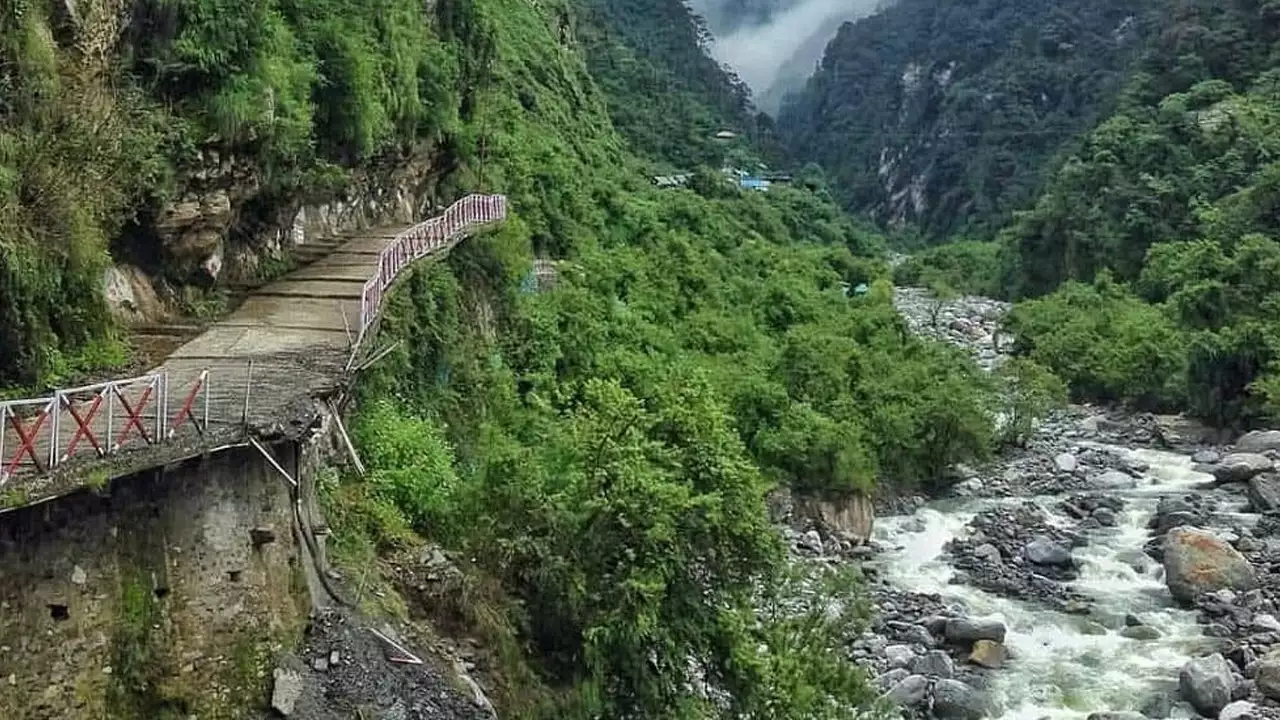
(169, 595)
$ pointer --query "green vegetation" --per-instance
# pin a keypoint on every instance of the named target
(103, 123)
(601, 452)
(1151, 244)
(946, 115)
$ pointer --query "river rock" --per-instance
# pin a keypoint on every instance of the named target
(1066, 462)
(1114, 480)
(1267, 675)
(1258, 441)
(1207, 683)
(988, 553)
(887, 680)
(964, 630)
(953, 700)
(1206, 457)
(1141, 632)
(899, 656)
(909, 692)
(988, 654)
(1239, 467)
(1196, 562)
(811, 540)
(1117, 715)
(1043, 551)
(1240, 710)
(1264, 493)
(935, 663)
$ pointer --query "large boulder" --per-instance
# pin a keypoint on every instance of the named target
(1259, 441)
(953, 700)
(1197, 562)
(1264, 493)
(1207, 683)
(964, 630)
(1241, 710)
(910, 691)
(1043, 551)
(1239, 467)
(1268, 677)
(935, 663)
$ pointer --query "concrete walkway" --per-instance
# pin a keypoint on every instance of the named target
(261, 371)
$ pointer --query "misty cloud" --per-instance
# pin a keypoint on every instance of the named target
(779, 54)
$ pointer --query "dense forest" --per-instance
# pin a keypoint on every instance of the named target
(601, 452)
(942, 117)
(1149, 258)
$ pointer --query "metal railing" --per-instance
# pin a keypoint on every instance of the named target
(422, 240)
(97, 420)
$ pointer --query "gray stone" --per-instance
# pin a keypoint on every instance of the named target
(812, 540)
(1207, 683)
(1106, 517)
(286, 691)
(1258, 441)
(1206, 457)
(917, 635)
(79, 576)
(1043, 551)
(334, 658)
(1267, 675)
(892, 678)
(1239, 467)
(988, 553)
(1198, 562)
(1141, 632)
(910, 691)
(1117, 715)
(320, 664)
(1240, 710)
(953, 700)
(1264, 493)
(899, 656)
(934, 662)
(964, 630)
(1066, 462)
(1265, 622)
(1114, 480)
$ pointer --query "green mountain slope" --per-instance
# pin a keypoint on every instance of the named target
(597, 456)
(945, 115)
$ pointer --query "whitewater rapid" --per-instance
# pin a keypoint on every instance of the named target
(1064, 667)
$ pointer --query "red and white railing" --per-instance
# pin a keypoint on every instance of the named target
(97, 421)
(422, 240)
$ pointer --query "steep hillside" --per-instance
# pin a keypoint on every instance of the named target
(1151, 248)
(594, 458)
(944, 115)
(1175, 195)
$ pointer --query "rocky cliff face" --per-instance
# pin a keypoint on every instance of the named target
(224, 228)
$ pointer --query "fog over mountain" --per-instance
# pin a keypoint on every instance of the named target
(774, 45)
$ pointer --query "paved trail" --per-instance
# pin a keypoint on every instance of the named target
(258, 371)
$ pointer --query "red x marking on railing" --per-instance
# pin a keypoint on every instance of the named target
(84, 425)
(185, 413)
(134, 418)
(28, 440)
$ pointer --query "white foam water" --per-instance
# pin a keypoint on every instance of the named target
(1064, 667)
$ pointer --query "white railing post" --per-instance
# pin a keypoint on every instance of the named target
(54, 408)
(4, 459)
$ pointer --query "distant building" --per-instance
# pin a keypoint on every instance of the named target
(671, 180)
